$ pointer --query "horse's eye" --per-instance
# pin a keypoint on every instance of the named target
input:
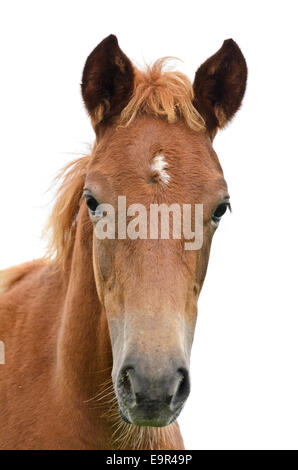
(220, 211)
(92, 204)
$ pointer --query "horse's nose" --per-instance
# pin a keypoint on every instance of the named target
(146, 400)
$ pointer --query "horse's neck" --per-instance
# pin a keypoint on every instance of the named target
(84, 350)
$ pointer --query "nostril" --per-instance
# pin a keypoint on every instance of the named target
(182, 390)
(126, 387)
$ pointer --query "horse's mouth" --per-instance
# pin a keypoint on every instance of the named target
(149, 419)
(151, 402)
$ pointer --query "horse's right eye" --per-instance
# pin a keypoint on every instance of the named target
(220, 211)
(92, 204)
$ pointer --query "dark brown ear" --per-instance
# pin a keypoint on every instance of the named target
(219, 86)
(107, 82)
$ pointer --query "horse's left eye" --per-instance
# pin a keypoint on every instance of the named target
(220, 211)
(92, 204)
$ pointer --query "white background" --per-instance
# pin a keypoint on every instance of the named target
(244, 361)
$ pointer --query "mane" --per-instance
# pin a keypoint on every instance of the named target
(61, 226)
(166, 94)
(163, 93)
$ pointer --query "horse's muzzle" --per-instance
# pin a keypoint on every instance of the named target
(148, 399)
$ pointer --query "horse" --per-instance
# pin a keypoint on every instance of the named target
(98, 333)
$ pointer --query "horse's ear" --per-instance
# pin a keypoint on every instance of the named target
(107, 82)
(219, 86)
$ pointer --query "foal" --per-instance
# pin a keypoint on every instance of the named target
(98, 336)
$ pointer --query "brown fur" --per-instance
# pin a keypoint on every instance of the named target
(59, 317)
